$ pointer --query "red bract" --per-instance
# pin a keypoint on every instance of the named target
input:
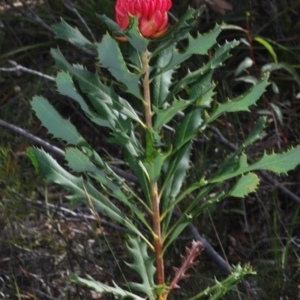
(153, 15)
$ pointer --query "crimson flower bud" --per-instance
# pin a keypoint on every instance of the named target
(153, 15)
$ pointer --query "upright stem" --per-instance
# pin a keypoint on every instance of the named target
(160, 275)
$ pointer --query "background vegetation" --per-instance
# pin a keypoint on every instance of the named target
(42, 239)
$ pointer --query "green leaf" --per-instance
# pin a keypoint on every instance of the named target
(67, 88)
(175, 171)
(198, 45)
(278, 163)
(110, 57)
(66, 32)
(242, 102)
(175, 232)
(131, 33)
(268, 46)
(112, 25)
(53, 172)
(161, 83)
(203, 90)
(103, 288)
(163, 116)
(256, 133)
(134, 36)
(79, 162)
(189, 127)
(106, 102)
(143, 265)
(246, 184)
(154, 166)
(220, 55)
(180, 30)
(56, 125)
(141, 173)
(195, 208)
(221, 288)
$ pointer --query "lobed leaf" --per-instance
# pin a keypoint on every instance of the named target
(53, 172)
(143, 265)
(278, 163)
(163, 116)
(110, 57)
(111, 109)
(103, 288)
(162, 82)
(246, 184)
(198, 45)
(79, 162)
(51, 119)
(188, 127)
(67, 88)
(134, 36)
(221, 288)
(216, 61)
(180, 30)
(66, 32)
(242, 102)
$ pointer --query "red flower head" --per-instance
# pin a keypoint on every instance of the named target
(153, 15)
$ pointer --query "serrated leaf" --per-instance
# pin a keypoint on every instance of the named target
(246, 184)
(220, 55)
(278, 163)
(193, 209)
(203, 90)
(134, 36)
(198, 45)
(110, 57)
(161, 83)
(64, 31)
(112, 25)
(221, 288)
(56, 125)
(53, 172)
(180, 31)
(189, 127)
(66, 87)
(103, 288)
(141, 173)
(163, 116)
(242, 102)
(176, 170)
(106, 102)
(256, 133)
(79, 162)
(143, 265)
(131, 33)
(154, 166)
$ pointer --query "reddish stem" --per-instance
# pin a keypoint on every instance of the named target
(160, 275)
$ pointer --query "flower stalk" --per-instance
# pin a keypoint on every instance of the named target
(157, 238)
